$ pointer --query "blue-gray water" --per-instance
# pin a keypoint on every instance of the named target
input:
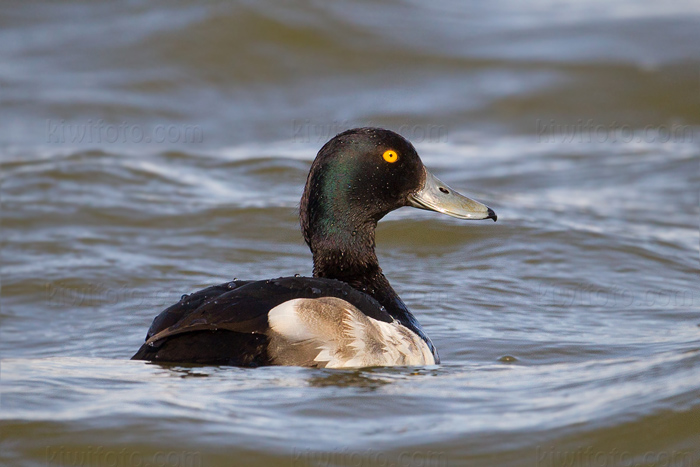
(150, 149)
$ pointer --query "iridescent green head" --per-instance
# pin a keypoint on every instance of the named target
(356, 179)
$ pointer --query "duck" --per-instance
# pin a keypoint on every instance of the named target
(347, 315)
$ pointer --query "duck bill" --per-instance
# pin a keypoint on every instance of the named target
(437, 196)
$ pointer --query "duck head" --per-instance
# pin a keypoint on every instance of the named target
(357, 178)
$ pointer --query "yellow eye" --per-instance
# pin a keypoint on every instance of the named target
(390, 156)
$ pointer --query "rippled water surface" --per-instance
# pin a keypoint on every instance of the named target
(149, 149)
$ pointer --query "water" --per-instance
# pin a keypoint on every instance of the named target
(150, 149)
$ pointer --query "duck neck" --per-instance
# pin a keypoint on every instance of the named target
(347, 253)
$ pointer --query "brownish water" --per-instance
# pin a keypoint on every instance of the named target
(149, 149)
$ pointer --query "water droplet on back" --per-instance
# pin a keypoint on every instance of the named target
(507, 359)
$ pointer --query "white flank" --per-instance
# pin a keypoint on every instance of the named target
(332, 333)
(285, 320)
